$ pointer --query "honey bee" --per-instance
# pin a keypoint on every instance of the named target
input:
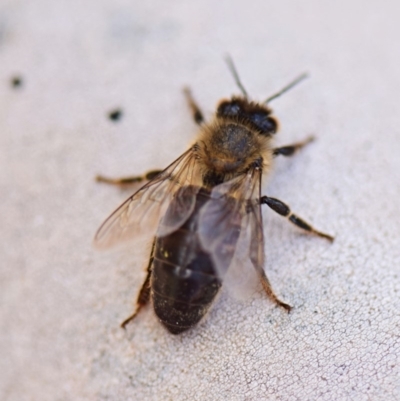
(204, 210)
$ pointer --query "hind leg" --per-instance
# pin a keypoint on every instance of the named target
(270, 292)
(144, 294)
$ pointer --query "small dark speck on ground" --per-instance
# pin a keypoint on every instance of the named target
(16, 81)
(115, 115)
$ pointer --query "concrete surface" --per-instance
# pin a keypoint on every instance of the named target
(62, 302)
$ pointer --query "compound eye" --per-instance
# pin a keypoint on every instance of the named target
(229, 109)
(267, 125)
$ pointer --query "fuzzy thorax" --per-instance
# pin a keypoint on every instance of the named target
(229, 148)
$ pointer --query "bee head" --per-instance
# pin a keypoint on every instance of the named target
(256, 115)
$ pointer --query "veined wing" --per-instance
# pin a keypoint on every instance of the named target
(142, 211)
(230, 229)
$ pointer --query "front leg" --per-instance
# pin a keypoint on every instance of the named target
(284, 210)
(290, 150)
(194, 107)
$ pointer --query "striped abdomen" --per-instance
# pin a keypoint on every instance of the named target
(184, 282)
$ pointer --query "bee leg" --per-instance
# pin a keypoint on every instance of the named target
(270, 292)
(128, 180)
(281, 208)
(144, 294)
(195, 109)
(290, 150)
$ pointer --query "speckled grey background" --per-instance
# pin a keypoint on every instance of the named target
(62, 302)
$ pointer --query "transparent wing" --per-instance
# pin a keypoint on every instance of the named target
(142, 211)
(254, 225)
(230, 228)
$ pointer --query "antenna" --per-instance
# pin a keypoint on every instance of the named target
(287, 87)
(233, 71)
